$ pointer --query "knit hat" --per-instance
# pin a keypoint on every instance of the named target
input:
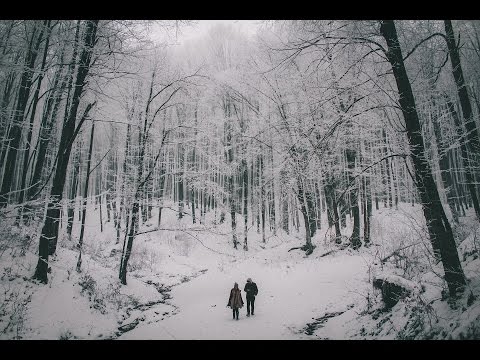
(249, 280)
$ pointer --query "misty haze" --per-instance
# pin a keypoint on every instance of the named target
(239, 179)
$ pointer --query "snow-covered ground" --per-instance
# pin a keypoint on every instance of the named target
(179, 282)
(291, 291)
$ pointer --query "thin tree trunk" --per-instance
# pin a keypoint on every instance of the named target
(129, 243)
(284, 202)
(50, 112)
(318, 213)
(101, 211)
(231, 176)
(444, 169)
(470, 183)
(85, 200)
(245, 203)
(308, 247)
(73, 191)
(15, 132)
(32, 115)
(473, 141)
(327, 188)
(162, 191)
(123, 211)
(262, 195)
(367, 214)
(355, 238)
(387, 170)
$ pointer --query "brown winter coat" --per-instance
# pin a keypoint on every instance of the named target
(235, 300)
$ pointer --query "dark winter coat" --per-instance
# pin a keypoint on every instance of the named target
(251, 289)
(235, 300)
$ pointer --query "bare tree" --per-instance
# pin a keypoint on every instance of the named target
(49, 235)
(438, 226)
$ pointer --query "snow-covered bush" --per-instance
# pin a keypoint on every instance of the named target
(113, 296)
(89, 286)
(106, 297)
(142, 258)
(17, 238)
(184, 244)
(66, 335)
(13, 306)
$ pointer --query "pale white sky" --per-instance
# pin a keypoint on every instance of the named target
(201, 27)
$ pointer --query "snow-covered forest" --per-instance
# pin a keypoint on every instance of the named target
(143, 173)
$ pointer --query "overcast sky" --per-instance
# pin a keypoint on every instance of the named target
(201, 27)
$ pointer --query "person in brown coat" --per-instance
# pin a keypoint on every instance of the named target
(235, 300)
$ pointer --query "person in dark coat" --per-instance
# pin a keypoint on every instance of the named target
(235, 300)
(252, 291)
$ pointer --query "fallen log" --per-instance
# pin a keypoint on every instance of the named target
(308, 249)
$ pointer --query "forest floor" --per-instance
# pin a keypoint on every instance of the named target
(179, 280)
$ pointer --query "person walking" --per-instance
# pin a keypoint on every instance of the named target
(252, 291)
(235, 300)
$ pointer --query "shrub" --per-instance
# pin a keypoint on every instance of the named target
(88, 285)
(66, 335)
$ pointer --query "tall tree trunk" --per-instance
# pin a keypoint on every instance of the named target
(327, 188)
(458, 190)
(284, 201)
(73, 191)
(32, 114)
(162, 191)
(85, 200)
(444, 169)
(245, 203)
(262, 195)
(393, 166)
(123, 211)
(49, 117)
(332, 200)
(231, 176)
(115, 188)
(367, 213)
(355, 238)
(141, 184)
(318, 206)
(285, 217)
(132, 229)
(109, 188)
(273, 220)
(4, 106)
(49, 235)
(15, 132)
(259, 191)
(180, 172)
(194, 165)
(439, 229)
(100, 198)
(470, 182)
(387, 170)
(308, 247)
(473, 142)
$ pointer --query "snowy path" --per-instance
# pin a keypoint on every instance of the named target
(291, 293)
